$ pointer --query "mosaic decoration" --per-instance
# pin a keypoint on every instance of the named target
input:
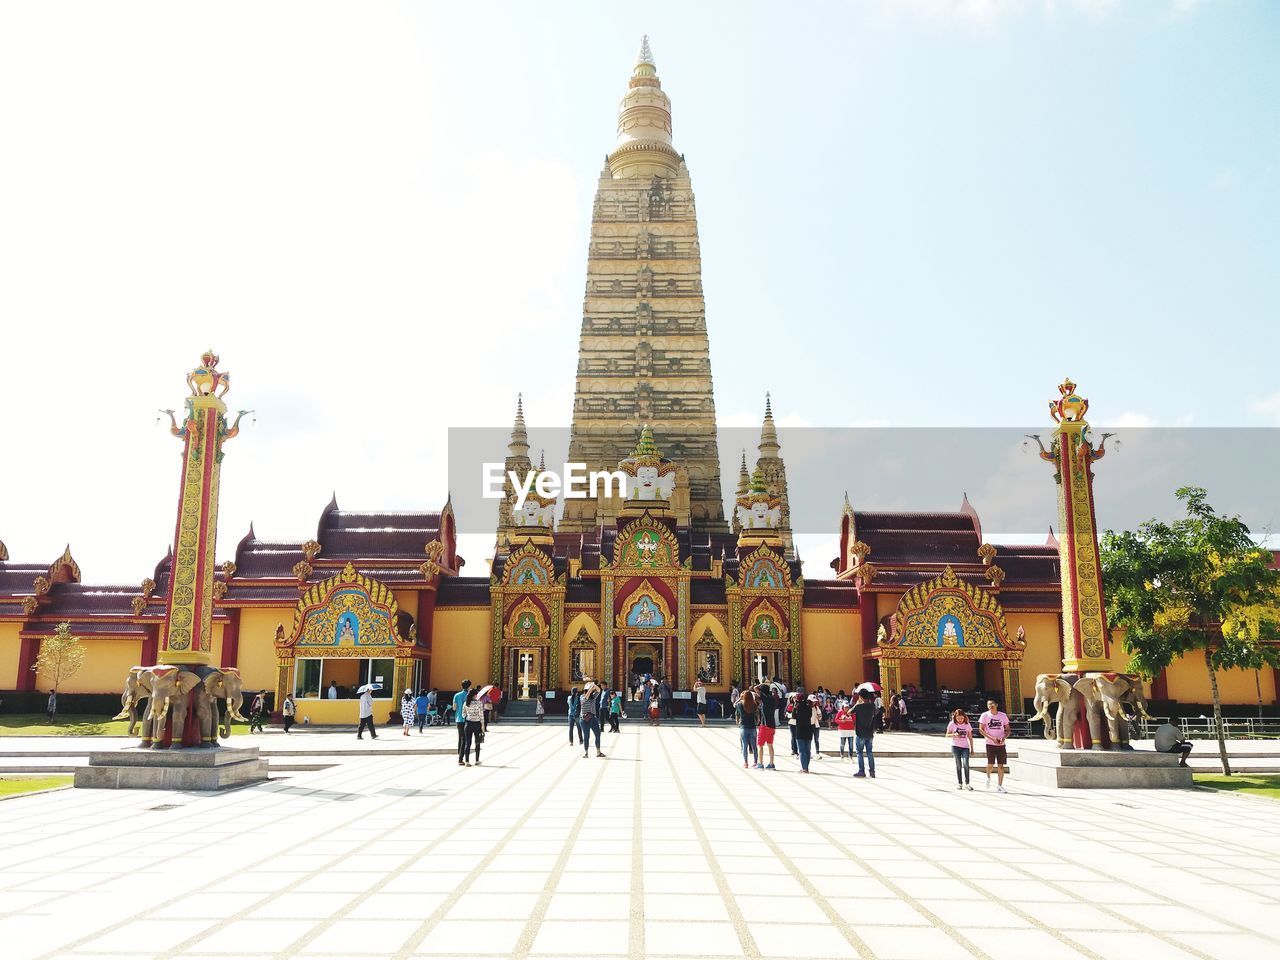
(947, 613)
(645, 544)
(645, 608)
(765, 623)
(527, 567)
(527, 621)
(764, 570)
(349, 612)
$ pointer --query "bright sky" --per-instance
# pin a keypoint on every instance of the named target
(913, 213)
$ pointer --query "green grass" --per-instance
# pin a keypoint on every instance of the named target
(1257, 784)
(72, 725)
(11, 786)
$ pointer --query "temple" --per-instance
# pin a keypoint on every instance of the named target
(665, 577)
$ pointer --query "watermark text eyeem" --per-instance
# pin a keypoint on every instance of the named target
(575, 483)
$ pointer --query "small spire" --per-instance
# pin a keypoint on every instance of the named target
(518, 445)
(768, 431)
(646, 54)
(744, 477)
(542, 462)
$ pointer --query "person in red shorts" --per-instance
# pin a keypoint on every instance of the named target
(768, 722)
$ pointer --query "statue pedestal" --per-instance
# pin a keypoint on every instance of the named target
(137, 769)
(1046, 765)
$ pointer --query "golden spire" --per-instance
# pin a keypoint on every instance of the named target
(644, 124)
(744, 477)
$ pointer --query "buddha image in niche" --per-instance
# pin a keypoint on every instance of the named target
(347, 629)
(950, 635)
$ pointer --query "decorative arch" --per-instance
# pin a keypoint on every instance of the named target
(645, 607)
(765, 623)
(763, 569)
(528, 567)
(711, 643)
(345, 616)
(644, 543)
(527, 621)
(948, 614)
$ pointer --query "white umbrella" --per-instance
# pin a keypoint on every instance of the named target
(868, 685)
(369, 686)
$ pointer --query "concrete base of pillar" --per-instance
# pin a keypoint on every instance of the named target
(1048, 766)
(136, 769)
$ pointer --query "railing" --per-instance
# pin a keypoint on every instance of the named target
(1233, 729)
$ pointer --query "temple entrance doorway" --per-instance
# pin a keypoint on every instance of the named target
(644, 659)
(764, 665)
(525, 668)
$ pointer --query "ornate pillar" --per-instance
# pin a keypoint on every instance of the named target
(1085, 639)
(188, 623)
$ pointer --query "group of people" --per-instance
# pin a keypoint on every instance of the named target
(761, 710)
(586, 708)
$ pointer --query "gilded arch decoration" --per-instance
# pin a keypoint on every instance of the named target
(347, 615)
(528, 567)
(527, 621)
(644, 543)
(949, 618)
(765, 623)
(645, 608)
(763, 569)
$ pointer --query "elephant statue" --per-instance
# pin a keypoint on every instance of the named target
(205, 704)
(227, 685)
(169, 688)
(137, 687)
(1058, 688)
(1107, 696)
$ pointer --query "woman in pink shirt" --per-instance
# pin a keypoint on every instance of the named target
(960, 732)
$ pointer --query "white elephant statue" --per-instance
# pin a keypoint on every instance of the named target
(1107, 696)
(169, 687)
(227, 685)
(136, 687)
(1058, 688)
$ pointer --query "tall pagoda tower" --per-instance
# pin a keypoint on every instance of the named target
(643, 356)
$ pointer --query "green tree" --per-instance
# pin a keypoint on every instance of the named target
(1200, 584)
(61, 657)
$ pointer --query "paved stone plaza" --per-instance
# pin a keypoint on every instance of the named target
(667, 848)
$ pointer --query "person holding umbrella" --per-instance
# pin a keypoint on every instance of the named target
(366, 712)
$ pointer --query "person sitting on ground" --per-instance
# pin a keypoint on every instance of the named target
(1169, 740)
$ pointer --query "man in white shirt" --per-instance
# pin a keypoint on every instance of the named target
(366, 715)
(700, 690)
(333, 690)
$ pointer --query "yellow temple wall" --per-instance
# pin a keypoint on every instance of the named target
(1044, 648)
(106, 664)
(257, 656)
(10, 646)
(832, 650)
(461, 647)
(1188, 680)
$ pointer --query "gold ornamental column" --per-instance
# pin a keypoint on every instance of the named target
(188, 624)
(1086, 642)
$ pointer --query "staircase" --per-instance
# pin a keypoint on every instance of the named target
(517, 710)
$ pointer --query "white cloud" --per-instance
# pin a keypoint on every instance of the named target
(1132, 419)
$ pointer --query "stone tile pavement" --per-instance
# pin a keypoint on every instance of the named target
(667, 848)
